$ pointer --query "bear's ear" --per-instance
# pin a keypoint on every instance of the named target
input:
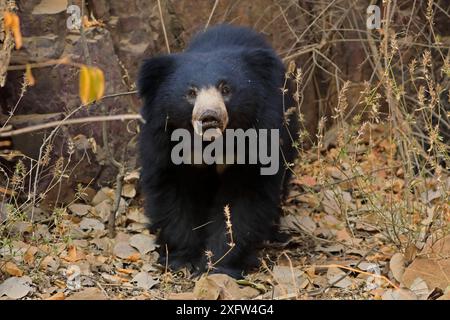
(152, 73)
(263, 62)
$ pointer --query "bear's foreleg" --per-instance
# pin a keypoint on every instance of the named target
(253, 211)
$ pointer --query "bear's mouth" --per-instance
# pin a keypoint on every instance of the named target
(208, 130)
(213, 124)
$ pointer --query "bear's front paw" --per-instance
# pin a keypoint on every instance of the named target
(177, 263)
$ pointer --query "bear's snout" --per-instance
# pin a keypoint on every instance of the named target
(210, 119)
(209, 111)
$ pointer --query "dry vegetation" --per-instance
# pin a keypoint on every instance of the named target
(368, 211)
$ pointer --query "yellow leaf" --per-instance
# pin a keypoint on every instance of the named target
(99, 83)
(7, 20)
(84, 84)
(12, 23)
(31, 81)
(16, 32)
(92, 84)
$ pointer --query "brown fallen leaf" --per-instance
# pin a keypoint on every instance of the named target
(436, 273)
(28, 257)
(334, 274)
(92, 23)
(431, 195)
(305, 181)
(89, 224)
(298, 223)
(288, 280)
(434, 269)
(343, 236)
(410, 253)
(103, 210)
(57, 296)
(73, 254)
(49, 263)
(129, 191)
(397, 266)
(440, 248)
(388, 146)
(125, 271)
(123, 250)
(80, 209)
(12, 269)
(399, 294)
(114, 279)
(420, 288)
(132, 176)
(395, 185)
(102, 195)
(143, 243)
(144, 280)
(15, 287)
(134, 257)
(136, 214)
(335, 201)
(89, 294)
(310, 199)
(335, 173)
(221, 287)
(206, 289)
(446, 296)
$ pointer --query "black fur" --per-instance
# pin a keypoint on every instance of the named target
(181, 198)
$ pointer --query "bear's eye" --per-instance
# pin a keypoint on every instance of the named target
(192, 93)
(225, 89)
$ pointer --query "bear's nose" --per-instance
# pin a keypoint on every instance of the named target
(210, 119)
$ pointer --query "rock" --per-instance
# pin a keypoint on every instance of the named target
(50, 7)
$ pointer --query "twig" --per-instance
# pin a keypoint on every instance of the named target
(49, 63)
(350, 269)
(163, 26)
(114, 95)
(112, 215)
(211, 14)
(118, 117)
(345, 275)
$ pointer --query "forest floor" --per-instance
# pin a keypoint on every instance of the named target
(359, 227)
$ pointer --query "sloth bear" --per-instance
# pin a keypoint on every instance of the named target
(228, 78)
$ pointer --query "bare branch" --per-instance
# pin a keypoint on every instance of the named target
(119, 117)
